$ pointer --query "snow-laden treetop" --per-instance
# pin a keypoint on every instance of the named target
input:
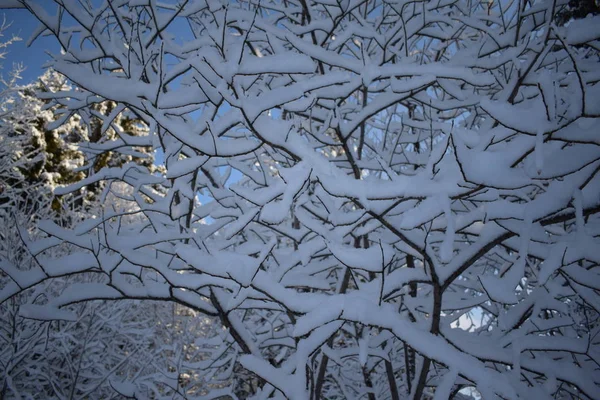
(379, 173)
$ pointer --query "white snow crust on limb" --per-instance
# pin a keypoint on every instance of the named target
(386, 189)
(60, 336)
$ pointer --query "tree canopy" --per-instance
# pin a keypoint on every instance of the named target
(380, 199)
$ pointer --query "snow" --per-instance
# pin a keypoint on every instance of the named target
(444, 390)
(552, 263)
(447, 247)
(339, 184)
(46, 313)
(363, 345)
(124, 388)
(373, 259)
(583, 30)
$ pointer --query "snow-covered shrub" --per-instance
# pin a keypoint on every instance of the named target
(400, 197)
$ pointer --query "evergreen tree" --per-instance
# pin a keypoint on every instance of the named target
(577, 9)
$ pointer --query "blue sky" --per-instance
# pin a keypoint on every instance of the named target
(23, 24)
(33, 57)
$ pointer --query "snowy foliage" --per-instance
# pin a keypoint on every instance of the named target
(93, 347)
(400, 197)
